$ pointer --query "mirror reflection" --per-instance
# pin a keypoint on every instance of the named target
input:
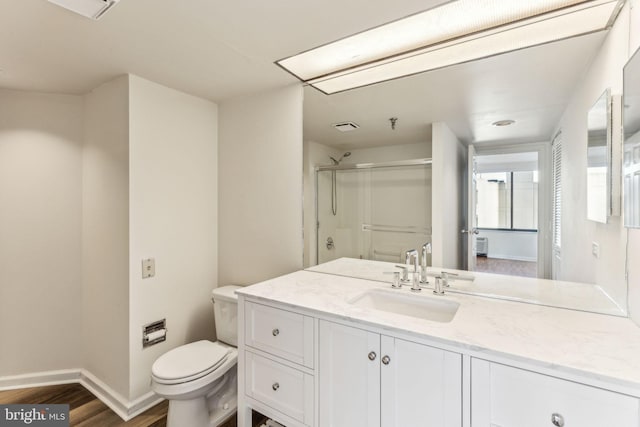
(498, 199)
(631, 163)
(598, 159)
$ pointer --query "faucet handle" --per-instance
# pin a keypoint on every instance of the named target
(437, 289)
(445, 279)
(395, 283)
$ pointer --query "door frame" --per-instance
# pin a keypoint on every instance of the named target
(544, 193)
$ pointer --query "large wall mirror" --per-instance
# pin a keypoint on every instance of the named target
(531, 89)
(631, 148)
(599, 159)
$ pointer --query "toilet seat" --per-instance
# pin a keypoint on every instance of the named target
(189, 362)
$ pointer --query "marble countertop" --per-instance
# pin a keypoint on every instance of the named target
(601, 347)
(554, 293)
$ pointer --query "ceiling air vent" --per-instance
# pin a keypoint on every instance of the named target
(346, 126)
(93, 9)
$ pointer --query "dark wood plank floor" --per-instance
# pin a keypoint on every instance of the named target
(86, 410)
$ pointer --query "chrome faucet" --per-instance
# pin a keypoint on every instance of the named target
(426, 250)
(407, 260)
(415, 279)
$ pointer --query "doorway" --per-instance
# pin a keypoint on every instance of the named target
(508, 209)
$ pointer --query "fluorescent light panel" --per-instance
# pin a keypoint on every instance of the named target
(436, 38)
(93, 9)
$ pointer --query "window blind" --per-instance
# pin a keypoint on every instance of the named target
(556, 152)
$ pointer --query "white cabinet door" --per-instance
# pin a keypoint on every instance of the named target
(504, 396)
(349, 377)
(421, 386)
(373, 380)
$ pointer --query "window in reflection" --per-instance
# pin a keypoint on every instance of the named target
(508, 200)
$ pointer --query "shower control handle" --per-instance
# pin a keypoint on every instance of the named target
(330, 244)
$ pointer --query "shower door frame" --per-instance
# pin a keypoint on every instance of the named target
(353, 166)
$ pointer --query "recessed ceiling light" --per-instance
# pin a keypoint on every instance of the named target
(93, 9)
(501, 123)
(453, 33)
(345, 126)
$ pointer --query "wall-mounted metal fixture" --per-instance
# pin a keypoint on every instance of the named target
(393, 121)
(330, 244)
(154, 333)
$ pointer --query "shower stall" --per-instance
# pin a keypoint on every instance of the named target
(374, 211)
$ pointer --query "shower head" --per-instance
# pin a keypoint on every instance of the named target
(337, 162)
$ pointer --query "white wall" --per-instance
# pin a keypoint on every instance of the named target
(389, 153)
(578, 233)
(105, 235)
(314, 154)
(260, 197)
(633, 251)
(173, 187)
(40, 242)
(449, 165)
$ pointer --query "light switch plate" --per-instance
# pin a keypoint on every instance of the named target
(148, 268)
(595, 249)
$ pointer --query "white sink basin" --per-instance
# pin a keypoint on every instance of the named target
(423, 307)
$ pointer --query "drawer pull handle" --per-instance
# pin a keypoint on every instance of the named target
(372, 356)
(557, 420)
(275, 386)
(386, 360)
(275, 332)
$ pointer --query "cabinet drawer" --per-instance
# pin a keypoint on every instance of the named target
(283, 388)
(503, 396)
(280, 332)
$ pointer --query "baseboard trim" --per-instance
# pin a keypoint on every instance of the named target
(513, 258)
(122, 407)
(40, 379)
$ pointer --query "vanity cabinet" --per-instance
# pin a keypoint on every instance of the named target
(278, 361)
(371, 380)
(307, 368)
(505, 396)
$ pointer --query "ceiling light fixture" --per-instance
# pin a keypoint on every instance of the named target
(501, 123)
(93, 9)
(453, 33)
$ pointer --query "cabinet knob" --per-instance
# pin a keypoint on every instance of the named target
(372, 356)
(557, 420)
(275, 386)
(275, 332)
(386, 360)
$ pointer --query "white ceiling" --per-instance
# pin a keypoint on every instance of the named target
(531, 86)
(211, 48)
(223, 49)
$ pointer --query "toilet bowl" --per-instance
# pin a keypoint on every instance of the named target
(200, 379)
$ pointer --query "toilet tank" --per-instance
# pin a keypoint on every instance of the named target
(225, 310)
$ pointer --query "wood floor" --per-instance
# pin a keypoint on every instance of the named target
(506, 266)
(85, 410)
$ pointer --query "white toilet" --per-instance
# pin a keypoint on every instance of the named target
(200, 379)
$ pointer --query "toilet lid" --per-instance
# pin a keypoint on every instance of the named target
(190, 361)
